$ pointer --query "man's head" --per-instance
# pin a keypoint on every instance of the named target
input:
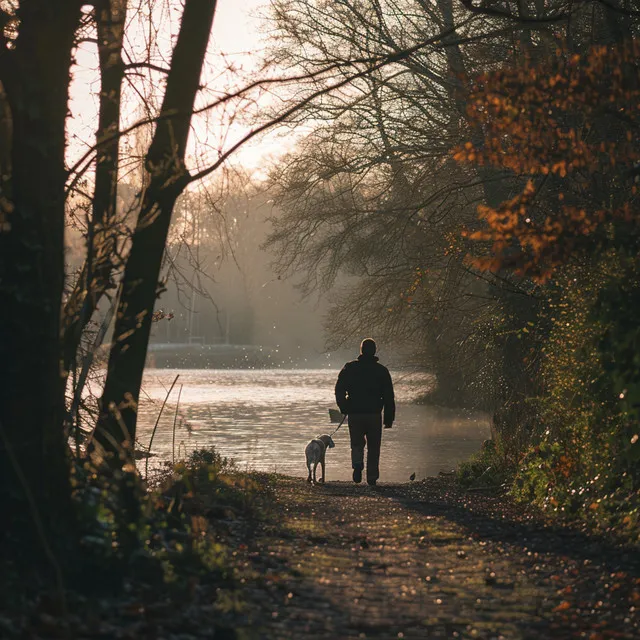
(368, 347)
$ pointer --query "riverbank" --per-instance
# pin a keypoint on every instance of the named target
(263, 419)
(414, 560)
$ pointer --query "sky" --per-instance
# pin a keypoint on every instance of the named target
(236, 26)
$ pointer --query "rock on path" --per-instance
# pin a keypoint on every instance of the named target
(425, 560)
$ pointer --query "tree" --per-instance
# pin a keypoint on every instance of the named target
(388, 140)
(578, 156)
(547, 122)
(372, 190)
(571, 227)
(35, 57)
(37, 346)
(103, 238)
(168, 177)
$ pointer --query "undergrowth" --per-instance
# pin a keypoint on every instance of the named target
(488, 468)
(587, 485)
(173, 532)
(169, 541)
(574, 451)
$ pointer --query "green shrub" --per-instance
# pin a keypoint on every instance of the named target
(166, 533)
(488, 468)
(583, 462)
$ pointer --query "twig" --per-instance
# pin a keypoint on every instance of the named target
(173, 439)
(155, 426)
(86, 365)
(72, 414)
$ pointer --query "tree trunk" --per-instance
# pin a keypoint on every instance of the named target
(33, 461)
(116, 430)
(102, 236)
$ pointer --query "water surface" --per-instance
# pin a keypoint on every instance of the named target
(264, 419)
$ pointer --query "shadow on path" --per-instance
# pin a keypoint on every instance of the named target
(425, 561)
(499, 520)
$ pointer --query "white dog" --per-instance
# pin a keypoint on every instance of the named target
(315, 453)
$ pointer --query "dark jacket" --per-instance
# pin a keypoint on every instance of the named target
(364, 386)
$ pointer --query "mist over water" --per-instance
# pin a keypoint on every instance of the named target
(263, 419)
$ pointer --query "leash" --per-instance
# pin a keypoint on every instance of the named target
(336, 429)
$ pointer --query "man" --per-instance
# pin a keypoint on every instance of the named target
(363, 390)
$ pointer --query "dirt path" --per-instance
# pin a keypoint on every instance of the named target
(423, 560)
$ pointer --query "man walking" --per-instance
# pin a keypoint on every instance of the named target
(364, 389)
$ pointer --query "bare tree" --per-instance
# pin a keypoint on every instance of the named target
(102, 236)
(165, 163)
(373, 190)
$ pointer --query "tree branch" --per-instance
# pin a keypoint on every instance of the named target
(102, 240)
(484, 7)
(485, 10)
(377, 62)
(145, 65)
(383, 61)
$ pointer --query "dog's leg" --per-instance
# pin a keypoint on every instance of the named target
(322, 465)
(315, 466)
(309, 467)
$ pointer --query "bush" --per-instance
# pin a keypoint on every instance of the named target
(583, 462)
(578, 486)
(208, 482)
(167, 533)
(489, 468)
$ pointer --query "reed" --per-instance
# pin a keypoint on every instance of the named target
(175, 419)
(155, 426)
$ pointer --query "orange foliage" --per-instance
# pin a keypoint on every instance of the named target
(568, 126)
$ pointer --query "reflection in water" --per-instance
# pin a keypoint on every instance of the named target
(264, 418)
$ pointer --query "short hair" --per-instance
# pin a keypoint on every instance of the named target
(368, 347)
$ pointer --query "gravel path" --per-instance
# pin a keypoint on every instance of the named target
(426, 560)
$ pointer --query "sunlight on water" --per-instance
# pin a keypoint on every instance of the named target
(264, 418)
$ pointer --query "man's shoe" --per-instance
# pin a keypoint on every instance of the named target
(357, 475)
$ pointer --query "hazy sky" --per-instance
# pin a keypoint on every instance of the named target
(236, 28)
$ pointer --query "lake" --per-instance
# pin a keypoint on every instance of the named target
(263, 419)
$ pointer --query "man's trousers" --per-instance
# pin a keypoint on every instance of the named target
(366, 429)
